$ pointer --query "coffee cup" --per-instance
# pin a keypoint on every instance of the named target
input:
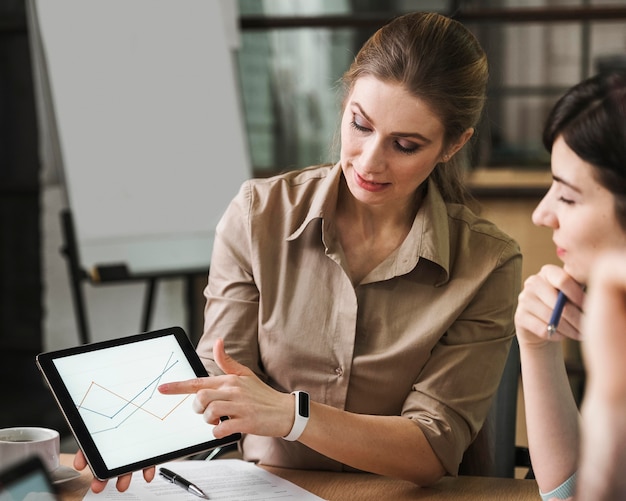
(16, 444)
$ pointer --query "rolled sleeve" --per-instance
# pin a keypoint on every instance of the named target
(452, 396)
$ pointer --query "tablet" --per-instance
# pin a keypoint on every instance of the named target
(108, 394)
(27, 479)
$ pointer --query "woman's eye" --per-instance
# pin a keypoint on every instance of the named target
(406, 147)
(566, 201)
(400, 144)
(356, 125)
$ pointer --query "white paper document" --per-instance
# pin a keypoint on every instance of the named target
(221, 479)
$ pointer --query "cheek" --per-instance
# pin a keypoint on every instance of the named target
(350, 146)
(596, 237)
(415, 170)
(609, 233)
(347, 131)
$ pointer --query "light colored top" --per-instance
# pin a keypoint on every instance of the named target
(425, 335)
(563, 491)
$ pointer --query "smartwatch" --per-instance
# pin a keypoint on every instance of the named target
(302, 415)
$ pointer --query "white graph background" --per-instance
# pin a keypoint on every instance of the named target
(115, 391)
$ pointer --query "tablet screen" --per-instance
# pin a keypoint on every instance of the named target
(108, 394)
(26, 479)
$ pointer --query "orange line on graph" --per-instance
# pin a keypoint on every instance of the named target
(86, 393)
(174, 408)
(124, 399)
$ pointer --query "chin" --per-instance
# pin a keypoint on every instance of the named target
(577, 274)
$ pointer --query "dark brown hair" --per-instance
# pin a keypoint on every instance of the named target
(591, 118)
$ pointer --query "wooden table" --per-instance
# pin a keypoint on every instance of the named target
(364, 487)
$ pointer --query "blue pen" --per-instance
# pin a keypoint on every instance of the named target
(556, 313)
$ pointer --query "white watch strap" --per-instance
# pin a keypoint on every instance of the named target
(301, 415)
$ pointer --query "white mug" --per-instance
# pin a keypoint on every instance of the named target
(16, 444)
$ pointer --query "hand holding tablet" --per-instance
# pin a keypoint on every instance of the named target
(108, 394)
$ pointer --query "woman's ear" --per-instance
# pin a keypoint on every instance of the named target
(458, 144)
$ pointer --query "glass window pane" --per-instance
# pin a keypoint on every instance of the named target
(291, 94)
(289, 76)
(608, 45)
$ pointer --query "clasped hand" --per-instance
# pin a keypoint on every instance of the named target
(536, 302)
(251, 406)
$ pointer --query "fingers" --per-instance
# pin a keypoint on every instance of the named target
(80, 463)
(149, 473)
(554, 275)
(536, 304)
(561, 281)
(99, 485)
(213, 405)
(226, 363)
(123, 482)
(226, 427)
(186, 387)
(202, 405)
(238, 393)
(202, 388)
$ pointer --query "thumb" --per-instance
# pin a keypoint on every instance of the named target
(226, 363)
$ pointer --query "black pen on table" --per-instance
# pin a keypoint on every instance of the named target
(175, 478)
(556, 313)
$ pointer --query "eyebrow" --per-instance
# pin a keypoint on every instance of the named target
(566, 183)
(413, 135)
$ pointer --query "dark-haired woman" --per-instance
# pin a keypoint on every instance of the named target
(586, 210)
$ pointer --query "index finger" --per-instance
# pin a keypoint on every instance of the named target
(560, 280)
(184, 387)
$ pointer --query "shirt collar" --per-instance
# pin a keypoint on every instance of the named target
(324, 202)
(430, 234)
(429, 237)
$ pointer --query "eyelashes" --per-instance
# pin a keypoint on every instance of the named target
(402, 149)
(358, 127)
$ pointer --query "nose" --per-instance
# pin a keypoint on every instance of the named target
(373, 157)
(544, 214)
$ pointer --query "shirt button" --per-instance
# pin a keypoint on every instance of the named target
(339, 371)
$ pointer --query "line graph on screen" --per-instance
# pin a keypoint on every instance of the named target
(107, 409)
(114, 391)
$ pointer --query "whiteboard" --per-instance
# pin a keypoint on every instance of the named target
(147, 109)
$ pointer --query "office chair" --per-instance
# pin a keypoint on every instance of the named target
(494, 452)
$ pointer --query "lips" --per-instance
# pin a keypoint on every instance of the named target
(369, 185)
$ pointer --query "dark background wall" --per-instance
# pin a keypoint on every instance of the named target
(25, 400)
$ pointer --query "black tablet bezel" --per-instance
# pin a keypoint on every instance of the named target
(45, 362)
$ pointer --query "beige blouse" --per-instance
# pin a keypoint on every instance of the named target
(425, 335)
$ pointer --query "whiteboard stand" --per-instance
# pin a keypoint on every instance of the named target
(116, 273)
(147, 134)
